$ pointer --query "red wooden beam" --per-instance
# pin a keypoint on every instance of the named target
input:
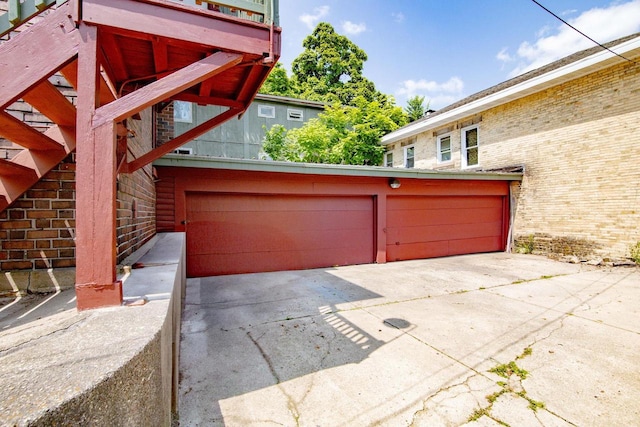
(116, 64)
(187, 24)
(9, 168)
(35, 164)
(160, 55)
(189, 135)
(52, 103)
(166, 87)
(24, 135)
(36, 53)
(252, 82)
(209, 100)
(70, 72)
(96, 284)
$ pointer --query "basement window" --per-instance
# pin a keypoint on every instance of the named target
(469, 148)
(268, 111)
(295, 115)
(444, 148)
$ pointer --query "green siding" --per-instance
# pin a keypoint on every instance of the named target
(241, 138)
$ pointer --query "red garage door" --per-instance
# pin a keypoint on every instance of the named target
(432, 226)
(239, 233)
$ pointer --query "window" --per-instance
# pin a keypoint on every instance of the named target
(470, 147)
(388, 159)
(183, 150)
(444, 148)
(409, 156)
(182, 112)
(268, 111)
(294, 115)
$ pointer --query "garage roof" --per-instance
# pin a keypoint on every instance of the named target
(189, 161)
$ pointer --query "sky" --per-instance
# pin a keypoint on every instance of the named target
(446, 50)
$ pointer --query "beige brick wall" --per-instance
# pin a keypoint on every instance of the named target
(579, 144)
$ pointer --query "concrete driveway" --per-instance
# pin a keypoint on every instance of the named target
(478, 340)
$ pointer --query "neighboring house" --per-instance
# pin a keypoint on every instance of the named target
(236, 139)
(572, 126)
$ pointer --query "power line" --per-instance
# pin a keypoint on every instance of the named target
(583, 34)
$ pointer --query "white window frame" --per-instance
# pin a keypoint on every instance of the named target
(388, 156)
(406, 158)
(439, 148)
(463, 146)
(299, 113)
(267, 111)
(182, 112)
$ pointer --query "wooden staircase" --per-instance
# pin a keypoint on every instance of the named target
(51, 45)
(30, 63)
(122, 57)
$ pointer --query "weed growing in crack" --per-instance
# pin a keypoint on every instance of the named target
(491, 398)
(634, 250)
(519, 281)
(478, 413)
(505, 370)
(527, 352)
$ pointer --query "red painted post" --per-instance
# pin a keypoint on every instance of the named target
(96, 284)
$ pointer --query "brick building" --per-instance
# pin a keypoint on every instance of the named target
(572, 126)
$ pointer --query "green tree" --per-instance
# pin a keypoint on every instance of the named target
(415, 108)
(330, 68)
(340, 135)
(278, 83)
(356, 117)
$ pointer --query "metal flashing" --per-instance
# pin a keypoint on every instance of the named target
(175, 160)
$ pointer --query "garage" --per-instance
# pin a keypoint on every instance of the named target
(246, 233)
(433, 226)
(256, 216)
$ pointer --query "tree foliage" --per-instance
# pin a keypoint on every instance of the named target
(415, 108)
(340, 135)
(278, 83)
(357, 115)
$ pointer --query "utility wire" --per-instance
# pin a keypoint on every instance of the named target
(583, 34)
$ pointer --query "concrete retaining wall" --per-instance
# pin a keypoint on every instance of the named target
(114, 366)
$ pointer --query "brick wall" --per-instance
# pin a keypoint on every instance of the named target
(37, 230)
(578, 142)
(164, 125)
(136, 221)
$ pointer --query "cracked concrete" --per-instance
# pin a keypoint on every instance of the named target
(412, 344)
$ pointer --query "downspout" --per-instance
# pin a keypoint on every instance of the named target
(269, 59)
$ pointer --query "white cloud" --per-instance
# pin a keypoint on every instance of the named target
(601, 24)
(311, 20)
(504, 55)
(438, 94)
(398, 17)
(352, 29)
